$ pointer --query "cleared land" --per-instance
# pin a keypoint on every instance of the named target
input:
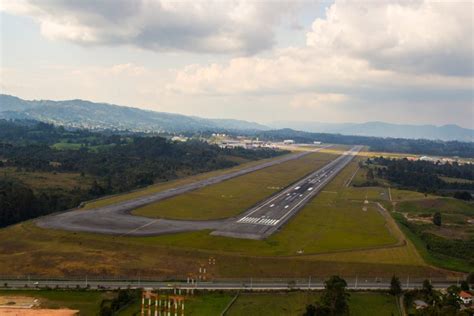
(27, 249)
(234, 196)
(86, 302)
(159, 187)
(449, 245)
(294, 303)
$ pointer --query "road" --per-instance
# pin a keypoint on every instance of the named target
(256, 223)
(267, 217)
(247, 284)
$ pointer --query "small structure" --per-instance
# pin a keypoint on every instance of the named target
(419, 304)
(288, 142)
(465, 297)
(162, 305)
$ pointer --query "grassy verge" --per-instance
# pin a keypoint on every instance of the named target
(168, 185)
(336, 234)
(234, 196)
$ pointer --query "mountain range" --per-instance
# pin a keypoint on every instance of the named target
(91, 115)
(382, 129)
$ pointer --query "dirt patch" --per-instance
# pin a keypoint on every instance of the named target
(17, 302)
(37, 312)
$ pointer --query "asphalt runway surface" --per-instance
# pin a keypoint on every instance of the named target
(117, 220)
(267, 217)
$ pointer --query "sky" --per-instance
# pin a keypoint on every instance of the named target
(327, 61)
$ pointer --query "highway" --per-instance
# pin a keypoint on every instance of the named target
(267, 217)
(256, 223)
(243, 284)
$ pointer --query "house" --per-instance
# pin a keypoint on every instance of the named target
(419, 304)
(465, 297)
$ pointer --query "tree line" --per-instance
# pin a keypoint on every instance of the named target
(122, 164)
(425, 176)
(377, 144)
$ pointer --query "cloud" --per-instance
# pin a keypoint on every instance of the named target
(364, 50)
(410, 36)
(210, 26)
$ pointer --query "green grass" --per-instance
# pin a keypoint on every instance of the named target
(205, 304)
(294, 303)
(455, 214)
(443, 205)
(234, 196)
(434, 259)
(329, 222)
(87, 302)
(337, 236)
(158, 187)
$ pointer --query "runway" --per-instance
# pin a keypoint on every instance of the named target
(256, 223)
(267, 217)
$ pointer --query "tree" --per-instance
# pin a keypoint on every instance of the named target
(437, 219)
(464, 195)
(470, 278)
(395, 286)
(464, 285)
(310, 310)
(335, 297)
(427, 287)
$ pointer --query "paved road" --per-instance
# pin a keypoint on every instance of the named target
(248, 284)
(116, 219)
(267, 217)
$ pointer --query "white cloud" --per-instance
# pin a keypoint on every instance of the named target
(411, 36)
(359, 48)
(238, 26)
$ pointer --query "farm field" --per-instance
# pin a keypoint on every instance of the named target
(236, 195)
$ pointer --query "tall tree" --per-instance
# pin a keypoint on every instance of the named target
(395, 286)
(335, 297)
(437, 219)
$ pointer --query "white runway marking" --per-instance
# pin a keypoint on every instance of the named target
(258, 221)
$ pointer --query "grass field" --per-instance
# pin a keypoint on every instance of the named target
(207, 304)
(234, 196)
(294, 303)
(87, 302)
(168, 185)
(337, 237)
(434, 242)
(278, 303)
